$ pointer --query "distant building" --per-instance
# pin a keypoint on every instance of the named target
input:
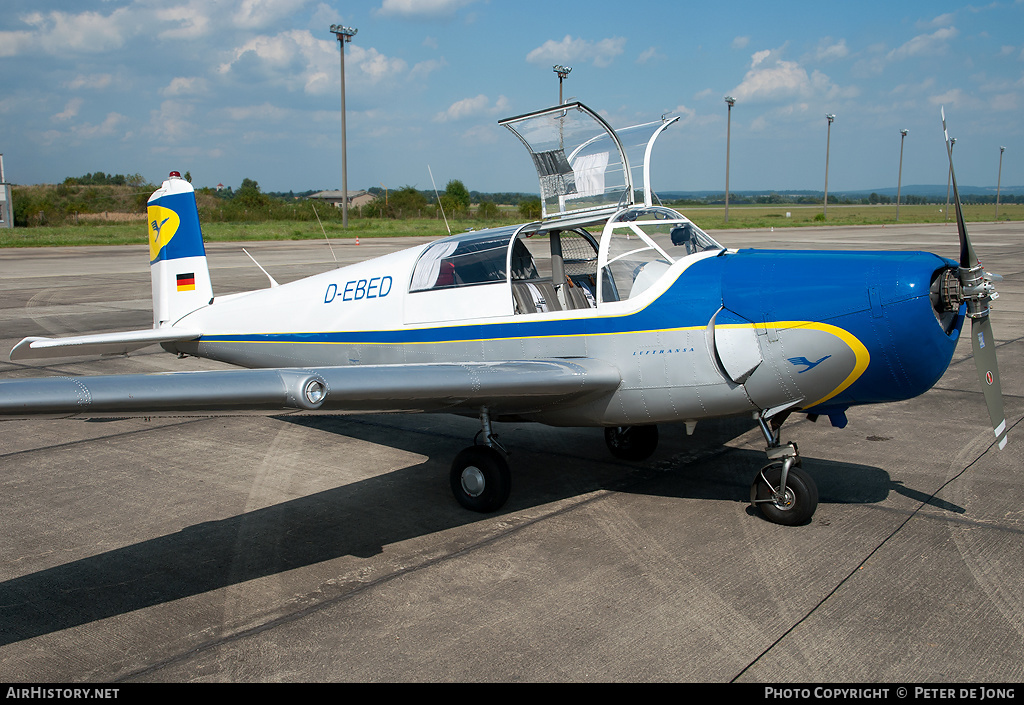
(335, 198)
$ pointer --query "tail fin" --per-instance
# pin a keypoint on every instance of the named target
(177, 257)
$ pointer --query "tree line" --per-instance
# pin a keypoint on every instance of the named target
(77, 198)
(776, 198)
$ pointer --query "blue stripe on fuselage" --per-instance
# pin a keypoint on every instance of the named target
(689, 303)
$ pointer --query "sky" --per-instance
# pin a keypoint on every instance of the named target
(235, 89)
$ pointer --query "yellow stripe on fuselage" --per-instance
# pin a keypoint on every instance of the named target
(860, 351)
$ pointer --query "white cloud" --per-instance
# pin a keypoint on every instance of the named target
(265, 112)
(109, 127)
(296, 57)
(772, 79)
(422, 8)
(191, 20)
(185, 85)
(649, 55)
(374, 66)
(256, 14)
(828, 50)
(91, 81)
(943, 20)
(472, 107)
(14, 43)
(740, 42)
(71, 109)
(925, 44)
(569, 50)
(1005, 101)
(423, 69)
(59, 32)
(169, 122)
(686, 115)
(954, 97)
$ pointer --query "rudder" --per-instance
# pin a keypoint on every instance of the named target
(177, 256)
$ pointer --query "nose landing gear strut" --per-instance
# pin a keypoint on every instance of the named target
(782, 491)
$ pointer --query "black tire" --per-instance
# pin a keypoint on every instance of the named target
(480, 479)
(799, 503)
(631, 442)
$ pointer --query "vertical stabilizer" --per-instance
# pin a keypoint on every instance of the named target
(177, 257)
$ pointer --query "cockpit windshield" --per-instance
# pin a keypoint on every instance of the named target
(640, 244)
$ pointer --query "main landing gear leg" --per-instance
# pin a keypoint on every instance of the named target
(782, 491)
(480, 477)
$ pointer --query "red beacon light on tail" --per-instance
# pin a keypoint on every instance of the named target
(174, 175)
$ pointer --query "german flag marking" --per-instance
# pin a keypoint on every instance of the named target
(187, 282)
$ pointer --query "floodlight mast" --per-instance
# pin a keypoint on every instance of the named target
(563, 73)
(998, 182)
(730, 101)
(899, 178)
(828, 141)
(344, 34)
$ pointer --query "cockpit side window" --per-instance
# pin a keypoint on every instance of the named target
(463, 260)
(692, 239)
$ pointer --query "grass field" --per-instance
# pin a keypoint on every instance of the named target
(707, 217)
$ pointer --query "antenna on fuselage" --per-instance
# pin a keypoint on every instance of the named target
(438, 196)
(323, 231)
(273, 283)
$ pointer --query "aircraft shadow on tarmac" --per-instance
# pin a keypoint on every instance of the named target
(358, 519)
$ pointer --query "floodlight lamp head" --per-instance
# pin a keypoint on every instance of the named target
(343, 33)
(562, 71)
(904, 132)
(830, 117)
(730, 101)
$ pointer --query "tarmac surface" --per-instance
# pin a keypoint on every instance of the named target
(297, 548)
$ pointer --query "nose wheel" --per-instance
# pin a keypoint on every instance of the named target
(787, 498)
(782, 491)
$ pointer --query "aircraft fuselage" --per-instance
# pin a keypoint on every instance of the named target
(720, 334)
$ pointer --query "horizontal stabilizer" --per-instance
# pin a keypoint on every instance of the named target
(505, 387)
(98, 344)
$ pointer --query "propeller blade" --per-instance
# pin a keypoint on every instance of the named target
(988, 374)
(978, 291)
(967, 257)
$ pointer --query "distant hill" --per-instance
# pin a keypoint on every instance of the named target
(930, 192)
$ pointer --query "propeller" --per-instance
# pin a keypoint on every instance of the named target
(976, 285)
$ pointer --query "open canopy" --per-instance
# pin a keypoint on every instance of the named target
(583, 165)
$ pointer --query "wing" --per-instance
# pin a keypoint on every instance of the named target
(97, 344)
(507, 387)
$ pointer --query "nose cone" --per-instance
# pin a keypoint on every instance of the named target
(841, 328)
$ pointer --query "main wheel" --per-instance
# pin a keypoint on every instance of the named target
(631, 442)
(480, 479)
(794, 506)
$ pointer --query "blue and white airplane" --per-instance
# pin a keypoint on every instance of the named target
(611, 311)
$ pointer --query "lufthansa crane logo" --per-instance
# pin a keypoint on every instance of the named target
(163, 224)
(808, 365)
